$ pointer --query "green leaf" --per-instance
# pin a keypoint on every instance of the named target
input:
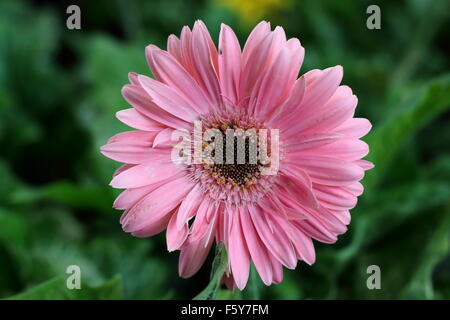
(399, 205)
(219, 266)
(288, 289)
(407, 257)
(437, 247)
(8, 183)
(225, 294)
(56, 289)
(16, 233)
(145, 274)
(254, 285)
(387, 140)
(76, 196)
(390, 210)
(105, 68)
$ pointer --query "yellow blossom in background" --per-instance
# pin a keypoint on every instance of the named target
(251, 11)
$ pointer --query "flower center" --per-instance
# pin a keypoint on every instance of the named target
(233, 160)
(239, 174)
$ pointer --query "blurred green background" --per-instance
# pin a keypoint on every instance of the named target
(60, 89)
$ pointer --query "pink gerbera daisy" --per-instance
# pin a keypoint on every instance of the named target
(267, 219)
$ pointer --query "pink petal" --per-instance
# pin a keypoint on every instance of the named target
(169, 71)
(135, 135)
(323, 220)
(266, 96)
(285, 111)
(327, 218)
(229, 64)
(154, 228)
(317, 223)
(186, 51)
(133, 152)
(122, 168)
(299, 184)
(262, 57)
(255, 37)
(329, 171)
(298, 54)
(176, 237)
(130, 197)
(311, 140)
(201, 226)
(238, 253)
(256, 248)
(168, 99)
(355, 188)
(344, 217)
(138, 98)
(366, 165)
(302, 244)
(164, 137)
(212, 47)
(277, 269)
(284, 204)
(355, 127)
(222, 224)
(174, 47)
(145, 174)
(316, 230)
(347, 149)
(137, 120)
(337, 110)
(204, 58)
(132, 77)
(228, 280)
(189, 206)
(336, 198)
(193, 255)
(158, 203)
(276, 241)
(321, 85)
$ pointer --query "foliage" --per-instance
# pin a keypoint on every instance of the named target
(60, 89)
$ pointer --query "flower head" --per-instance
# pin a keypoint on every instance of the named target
(267, 161)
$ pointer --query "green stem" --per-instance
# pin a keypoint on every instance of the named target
(219, 266)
